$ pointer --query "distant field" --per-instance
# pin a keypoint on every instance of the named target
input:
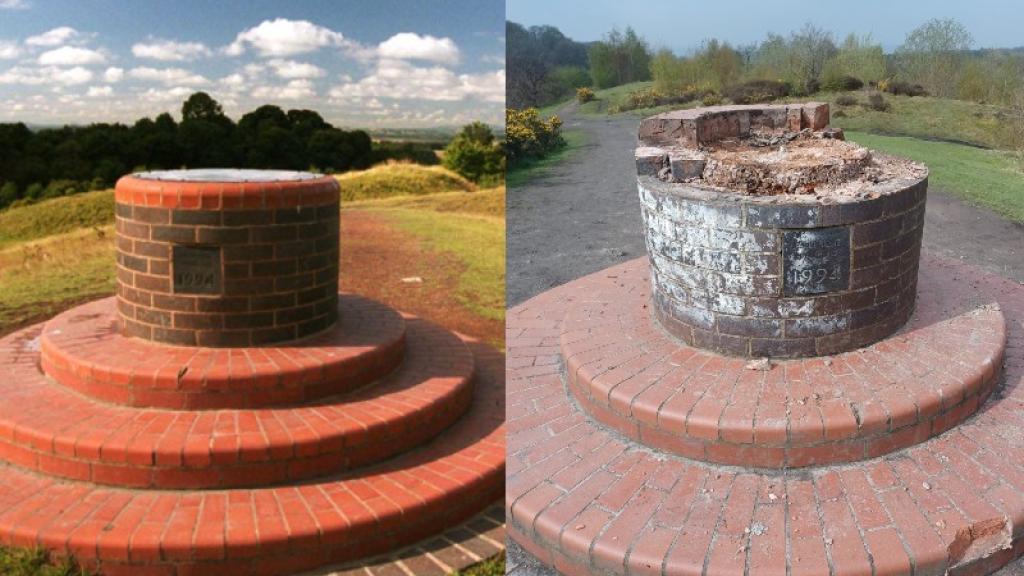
(988, 178)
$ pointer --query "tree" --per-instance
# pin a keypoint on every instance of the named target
(810, 49)
(474, 154)
(201, 106)
(8, 194)
(933, 53)
(620, 58)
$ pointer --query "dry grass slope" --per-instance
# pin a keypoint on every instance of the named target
(400, 179)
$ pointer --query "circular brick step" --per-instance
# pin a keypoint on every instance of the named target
(82, 349)
(56, 431)
(586, 500)
(629, 374)
(277, 530)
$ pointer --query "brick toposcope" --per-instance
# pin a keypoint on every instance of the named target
(225, 258)
(780, 276)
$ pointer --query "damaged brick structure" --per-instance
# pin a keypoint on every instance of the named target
(769, 235)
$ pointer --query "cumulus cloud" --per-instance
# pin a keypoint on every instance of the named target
(284, 37)
(234, 81)
(401, 80)
(408, 45)
(99, 91)
(167, 76)
(14, 4)
(55, 37)
(46, 75)
(169, 50)
(71, 56)
(294, 90)
(9, 50)
(113, 74)
(175, 94)
(290, 69)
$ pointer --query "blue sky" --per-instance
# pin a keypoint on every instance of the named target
(360, 63)
(681, 25)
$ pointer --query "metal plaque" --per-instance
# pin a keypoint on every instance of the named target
(815, 261)
(196, 270)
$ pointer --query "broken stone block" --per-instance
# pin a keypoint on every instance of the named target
(793, 119)
(815, 115)
(686, 166)
(833, 133)
(650, 160)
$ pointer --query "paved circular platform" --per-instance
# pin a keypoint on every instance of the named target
(631, 375)
(83, 350)
(271, 490)
(588, 500)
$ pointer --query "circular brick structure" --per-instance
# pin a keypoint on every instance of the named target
(227, 258)
(769, 235)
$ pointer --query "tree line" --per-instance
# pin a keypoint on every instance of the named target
(936, 58)
(39, 164)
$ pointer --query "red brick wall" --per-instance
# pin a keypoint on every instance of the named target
(279, 263)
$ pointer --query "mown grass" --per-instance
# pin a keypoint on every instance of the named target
(989, 178)
(489, 202)
(490, 567)
(526, 170)
(36, 562)
(55, 216)
(400, 179)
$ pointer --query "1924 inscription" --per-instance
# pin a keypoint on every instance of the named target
(815, 261)
(196, 270)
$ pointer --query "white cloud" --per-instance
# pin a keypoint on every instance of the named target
(14, 4)
(166, 95)
(401, 80)
(167, 76)
(99, 91)
(55, 37)
(169, 50)
(290, 69)
(407, 45)
(9, 50)
(493, 59)
(113, 74)
(46, 75)
(283, 37)
(294, 90)
(71, 56)
(233, 81)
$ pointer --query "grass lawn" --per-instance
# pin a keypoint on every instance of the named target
(21, 562)
(525, 171)
(988, 178)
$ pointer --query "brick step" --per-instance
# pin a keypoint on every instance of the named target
(83, 350)
(51, 429)
(277, 530)
(586, 500)
(629, 374)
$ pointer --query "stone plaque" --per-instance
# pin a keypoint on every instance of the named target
(196, 270)
(815, 261)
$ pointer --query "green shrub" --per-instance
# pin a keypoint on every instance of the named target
(902, 88)
(711, 99)
(842, 84)
(877, 102)
(756, 91)
(847, 100)
(475, 154)
(584, 94)
(527, 135)
(651, 97)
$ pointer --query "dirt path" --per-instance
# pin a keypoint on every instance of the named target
(583, 216)
(376, 256)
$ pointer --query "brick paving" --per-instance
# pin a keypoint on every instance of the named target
(586, 499)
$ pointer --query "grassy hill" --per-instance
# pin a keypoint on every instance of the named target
(56, 216)
(400, 179)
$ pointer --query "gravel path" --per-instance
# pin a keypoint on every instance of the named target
(583, 216)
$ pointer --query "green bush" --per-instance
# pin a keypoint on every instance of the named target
(902, 88)
(847, 100)
(711, 99)
(475, 154)
(841, 84)
(877, 102)
(584, 94)
(527, 135)
(651, 97)
(756, 91)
